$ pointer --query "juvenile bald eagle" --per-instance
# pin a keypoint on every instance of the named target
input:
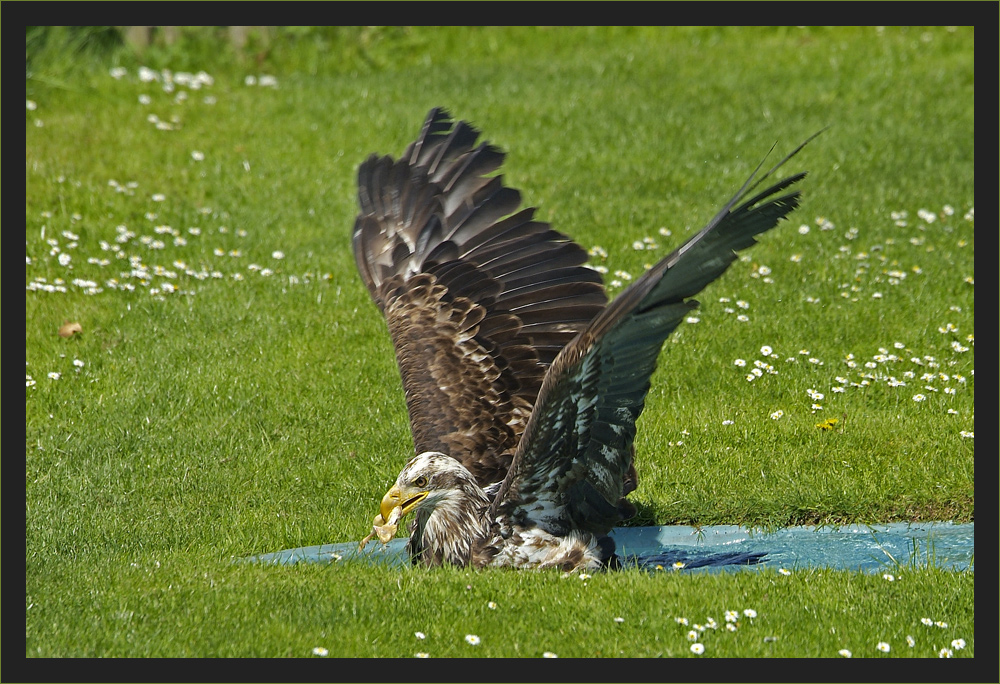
(523, 383)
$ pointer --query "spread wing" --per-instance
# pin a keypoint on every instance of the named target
(479, 298)
(571, 468)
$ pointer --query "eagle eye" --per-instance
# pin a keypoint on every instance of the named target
(420, 481)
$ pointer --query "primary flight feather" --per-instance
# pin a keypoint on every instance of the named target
(523, 383)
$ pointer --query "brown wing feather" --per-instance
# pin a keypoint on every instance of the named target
(479, 297)
(463, 400)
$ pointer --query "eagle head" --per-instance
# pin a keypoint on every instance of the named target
(430, 480)
(450, 508)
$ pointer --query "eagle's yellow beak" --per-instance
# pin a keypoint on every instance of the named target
(396, 503)
(405, 498)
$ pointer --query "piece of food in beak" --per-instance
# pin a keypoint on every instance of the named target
(384, 529)
(388, 530)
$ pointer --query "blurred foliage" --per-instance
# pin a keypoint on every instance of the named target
(55, 53)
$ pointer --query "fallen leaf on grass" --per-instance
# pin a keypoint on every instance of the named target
(67, 329)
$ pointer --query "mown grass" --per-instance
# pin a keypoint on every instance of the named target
(230, 417)
(208, 610)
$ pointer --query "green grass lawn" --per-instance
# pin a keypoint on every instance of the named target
(233, 390)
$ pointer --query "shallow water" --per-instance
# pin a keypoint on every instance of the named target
(864, 548)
